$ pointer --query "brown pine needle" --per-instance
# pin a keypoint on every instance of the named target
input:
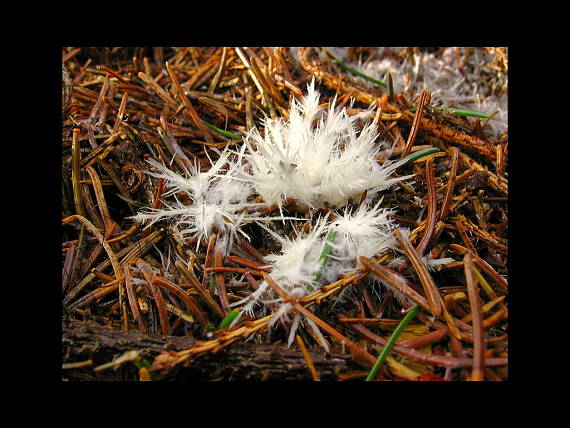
(189, 108)
(101, 202)
(432, 293)
(76, 173)
(432, 209)
(155, 293)
(478, 371)
(396, 282)
(312, 369)
(190, 303)
(133, 301)
(450, 183)
(220, 282)
(203, 292)
(424, 97)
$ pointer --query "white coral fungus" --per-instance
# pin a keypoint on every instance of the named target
(217, 200)
(316, 157)
(294, 267)
(363, 232)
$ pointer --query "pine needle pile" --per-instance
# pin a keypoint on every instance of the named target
(273, 213)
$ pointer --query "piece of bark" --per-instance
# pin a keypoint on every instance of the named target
(66, 90)
(240, 361)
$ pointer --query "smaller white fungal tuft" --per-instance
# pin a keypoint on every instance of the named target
(217, 200)
(361, 232)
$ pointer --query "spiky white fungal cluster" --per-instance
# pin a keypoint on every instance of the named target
(299, 259)
(217, 200)
(363, 232)
(316, 157)
(293, 269)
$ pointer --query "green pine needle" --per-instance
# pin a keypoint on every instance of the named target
(228, 318)
(469, 113)
(355, 71)
(419, 154)
(221, 131)
(459, 112)
(391, 342)
(325, 254)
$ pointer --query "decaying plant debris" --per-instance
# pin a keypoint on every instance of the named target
(141, 303)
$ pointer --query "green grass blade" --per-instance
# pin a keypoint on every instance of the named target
(228, 318)
(325, 254)
(221, 131)
(469, 113)
(459, 112)
(419, 154)
(391, 342)
(354, 71)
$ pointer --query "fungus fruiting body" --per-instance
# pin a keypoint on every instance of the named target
(320, 158)
(217, 201)
(317, 156)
